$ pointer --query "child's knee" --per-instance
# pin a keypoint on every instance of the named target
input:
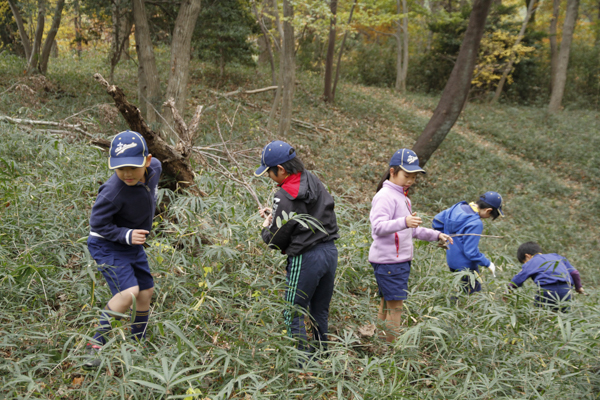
(129, 293)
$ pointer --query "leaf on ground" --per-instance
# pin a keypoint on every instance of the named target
(366, 331)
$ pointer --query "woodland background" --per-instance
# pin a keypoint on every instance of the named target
(216, 329)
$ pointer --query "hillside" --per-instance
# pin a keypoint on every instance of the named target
(216, 318)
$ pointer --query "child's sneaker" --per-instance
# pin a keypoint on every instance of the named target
(93, 361)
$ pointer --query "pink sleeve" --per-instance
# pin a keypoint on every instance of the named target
(429, 235)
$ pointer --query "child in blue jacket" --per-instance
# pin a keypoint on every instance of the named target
(464, 220)
(551, 272)
(121, 218)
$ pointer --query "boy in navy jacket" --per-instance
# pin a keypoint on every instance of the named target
(552, 273)
(312, 254)
(121, 218)
(464, 220)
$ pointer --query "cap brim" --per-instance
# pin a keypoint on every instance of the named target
(500, 211)
(261, 170)
(417, 169)
(137, 162)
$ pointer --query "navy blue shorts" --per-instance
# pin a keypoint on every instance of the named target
(123, 266)
(392, 280)
(554, 297)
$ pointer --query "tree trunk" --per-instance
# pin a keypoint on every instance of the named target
(457, 88)
(511, 59)
(77, 26)
(265, 44)
(560, 81)
(43, 66)
(148, 80)
(22, 32)
(37, 41)
(398, 38)
(278, 25)
(339, 60)
(289, 68)
(120, 35)
(327, 93)
(405, 37)
(554, 42)
(180, 57)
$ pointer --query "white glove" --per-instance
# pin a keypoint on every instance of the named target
(492, 269)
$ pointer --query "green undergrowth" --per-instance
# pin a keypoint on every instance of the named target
(216, 324)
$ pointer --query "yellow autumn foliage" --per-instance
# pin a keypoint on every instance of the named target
(494, 54)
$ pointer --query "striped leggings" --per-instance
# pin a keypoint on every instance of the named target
(310, 278)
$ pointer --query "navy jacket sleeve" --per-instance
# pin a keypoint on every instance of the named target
(574, 274)
(274, 237)
(102, 223)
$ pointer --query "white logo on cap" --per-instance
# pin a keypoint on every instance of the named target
(122, 147)
(412, 159)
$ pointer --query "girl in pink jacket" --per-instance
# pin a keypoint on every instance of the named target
(393, 226)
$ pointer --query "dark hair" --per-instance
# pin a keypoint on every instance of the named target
(531, 248)
(386, 176)
(482, 205)
(292, 167)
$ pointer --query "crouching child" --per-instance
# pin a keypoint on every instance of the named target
(121, 218)
(553, 273)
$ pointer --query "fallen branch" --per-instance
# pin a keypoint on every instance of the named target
(242, 91)
(175, 164)
(76, 127)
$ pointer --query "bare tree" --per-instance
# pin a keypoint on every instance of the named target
(122, 24)
(339, 60)
(22, 32)
(288, 65)
(43, 64)
(457, 88)
(181, 54)
(148, 81)
(512, 57)
(558, 86)
(36, 61)
(554, 42)
(265, 43)
(401, 37)
(277, 100)
(327, 93)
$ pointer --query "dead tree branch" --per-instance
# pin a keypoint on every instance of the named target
(175, 164)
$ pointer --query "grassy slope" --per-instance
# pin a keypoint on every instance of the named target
(546, 167)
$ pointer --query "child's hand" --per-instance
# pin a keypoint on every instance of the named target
(581, 291)
(412, 221)
(443, 239)
(267, 221)
(138, 236)
(264, 212)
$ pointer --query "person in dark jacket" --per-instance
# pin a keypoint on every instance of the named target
(553, 273)
(121, 218)
(464, 219)
(302, 225)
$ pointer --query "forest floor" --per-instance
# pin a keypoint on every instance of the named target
(217, 326)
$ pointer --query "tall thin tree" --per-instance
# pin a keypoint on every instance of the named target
(288, 65)
(560, 81)
(457, 88)
(327, 92)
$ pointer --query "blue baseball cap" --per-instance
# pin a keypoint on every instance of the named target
(128, 149)
(274, 154)
(407, 160)
(493, 199)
